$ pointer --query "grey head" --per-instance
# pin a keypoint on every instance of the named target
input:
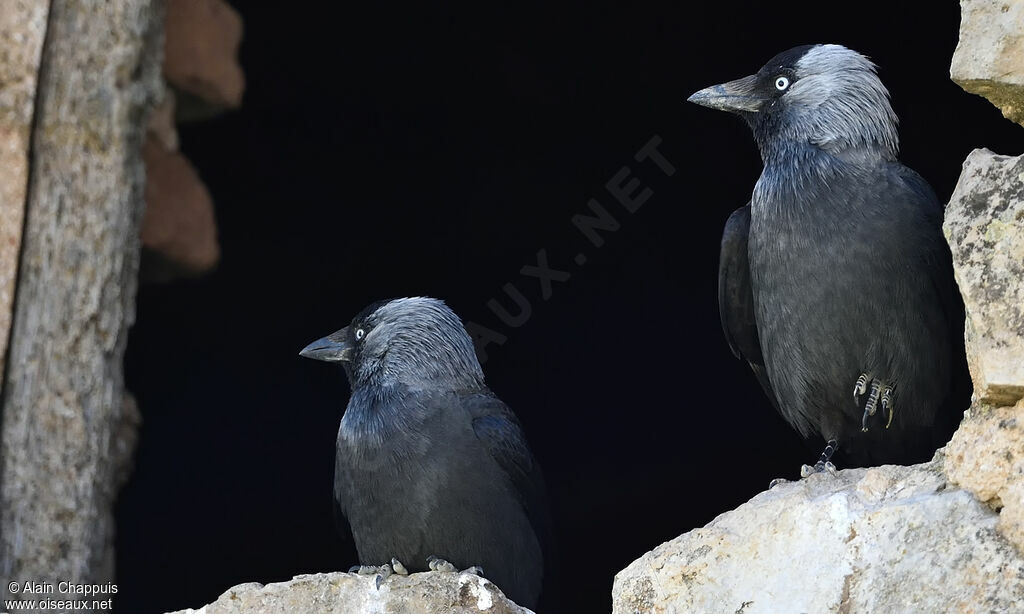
(825, 96)
(404, 341)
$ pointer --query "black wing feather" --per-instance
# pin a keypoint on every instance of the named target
(736, 298)
(500, 432)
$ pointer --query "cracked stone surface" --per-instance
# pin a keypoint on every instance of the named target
(984, 226)
(885, 539)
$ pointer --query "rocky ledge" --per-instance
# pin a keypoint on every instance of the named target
(330, 593)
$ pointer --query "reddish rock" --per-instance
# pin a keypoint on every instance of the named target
(201, 50)
(179, 224)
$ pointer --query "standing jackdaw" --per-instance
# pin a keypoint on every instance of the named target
(432, 470)
(835, 282)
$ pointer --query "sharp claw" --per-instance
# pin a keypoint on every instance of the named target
(881, 395)
(399, 569)
(476, 570)
(378, 581)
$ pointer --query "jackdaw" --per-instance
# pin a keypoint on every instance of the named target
(432, 469)
(835, 283)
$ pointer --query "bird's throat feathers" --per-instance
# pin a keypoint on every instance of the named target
(374, 414)
(804, 176)
(795, 175)
(386, 395)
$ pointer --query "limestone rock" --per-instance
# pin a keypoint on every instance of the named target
(986, 456)
(420, 593)
(201, 52)
(989, 59)
(63, 398)
(885, 539)
(22, 29)
(985, 229)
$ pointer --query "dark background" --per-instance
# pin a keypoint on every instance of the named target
(395, 150)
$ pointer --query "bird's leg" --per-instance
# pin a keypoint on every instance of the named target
(438, 564)
(881, 393)
(871, 406)
(824, 463)
(860, 388)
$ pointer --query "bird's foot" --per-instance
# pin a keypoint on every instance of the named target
(818, 467)
(824, 463)
(369, 570)
(381, 571)
(879, 393)
(438, 564)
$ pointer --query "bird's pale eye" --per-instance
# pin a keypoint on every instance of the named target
(360, 333)
(781, 83)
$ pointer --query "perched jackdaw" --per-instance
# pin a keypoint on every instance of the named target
(432, 469)
(835, 282)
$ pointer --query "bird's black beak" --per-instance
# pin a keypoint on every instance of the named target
(335, 347)
(739, 96)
